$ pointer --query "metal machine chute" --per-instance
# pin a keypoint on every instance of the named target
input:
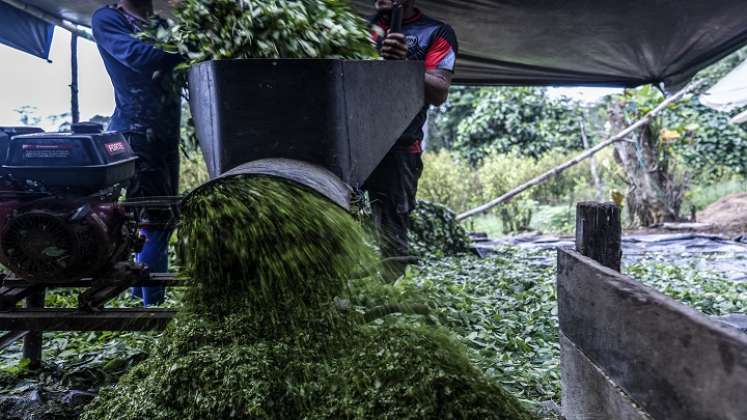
(308, 175)
(342, 116)
(326, 130)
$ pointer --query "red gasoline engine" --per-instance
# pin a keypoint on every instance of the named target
(61, 217)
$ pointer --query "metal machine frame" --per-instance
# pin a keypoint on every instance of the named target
(31, 321)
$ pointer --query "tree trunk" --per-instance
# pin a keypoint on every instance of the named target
(655, 193)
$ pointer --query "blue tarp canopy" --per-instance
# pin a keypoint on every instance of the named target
(622, 43)
(24, 32)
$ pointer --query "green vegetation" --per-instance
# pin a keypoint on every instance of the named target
(265, 330)
(702, 137)
(548, 219)
(450, 180)
(484, 141)
(501, 308)
(434, 231)
(222, 29)
(517, 120)
(704, 291)
(494, 139)
(504, 309)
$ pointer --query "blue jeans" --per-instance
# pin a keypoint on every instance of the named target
(155, 256)
(157, 175)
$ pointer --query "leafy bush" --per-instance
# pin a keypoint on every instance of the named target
(559, 219)
(448, 180)
(499, 174)
(709, 143)
(516, 216)
(519, 120)
(566, 187)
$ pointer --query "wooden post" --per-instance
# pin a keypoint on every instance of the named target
(32, 342)
(74, 105)
(599, 233)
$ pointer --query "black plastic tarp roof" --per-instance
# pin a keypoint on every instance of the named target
(589, 42)
(564, 42)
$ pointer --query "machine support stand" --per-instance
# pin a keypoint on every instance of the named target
(94, 298)
(10, 296)
(30, 322)
(32, 342)
(11, 337)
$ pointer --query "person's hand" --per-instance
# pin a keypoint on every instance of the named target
(394, 47)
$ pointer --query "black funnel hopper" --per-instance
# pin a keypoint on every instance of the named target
(341, 115)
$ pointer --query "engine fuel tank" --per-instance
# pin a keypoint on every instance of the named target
(85, 158)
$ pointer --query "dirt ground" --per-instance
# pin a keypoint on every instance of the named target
(729, 213)
(727, 217)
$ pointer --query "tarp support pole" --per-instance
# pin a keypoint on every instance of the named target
(54, 20)
(74, 105)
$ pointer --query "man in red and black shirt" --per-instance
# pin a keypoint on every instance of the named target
(393, 185)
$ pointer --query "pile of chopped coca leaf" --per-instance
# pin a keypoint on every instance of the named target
(265, 331)
(435, 231)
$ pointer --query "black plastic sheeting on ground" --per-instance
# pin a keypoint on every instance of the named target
(562, 42)
(705, 252)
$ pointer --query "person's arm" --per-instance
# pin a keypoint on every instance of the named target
(113, 35)
(439, 62)
(439, 66)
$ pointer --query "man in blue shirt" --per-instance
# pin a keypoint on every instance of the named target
(148, 112)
